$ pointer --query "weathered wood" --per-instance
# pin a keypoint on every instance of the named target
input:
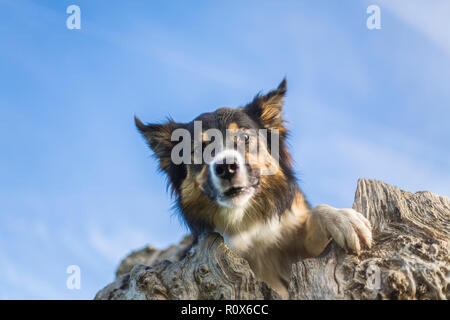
(409, 260)
(209, 270)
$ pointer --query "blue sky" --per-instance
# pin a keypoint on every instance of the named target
(77, 183)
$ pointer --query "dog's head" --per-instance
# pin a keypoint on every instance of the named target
(227, 167)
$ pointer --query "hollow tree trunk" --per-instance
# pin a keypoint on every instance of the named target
(409, 259)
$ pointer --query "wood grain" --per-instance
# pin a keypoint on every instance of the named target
(409, 259)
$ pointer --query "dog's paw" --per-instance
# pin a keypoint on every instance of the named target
(347, 227)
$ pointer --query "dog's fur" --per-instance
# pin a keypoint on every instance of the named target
(270, 224)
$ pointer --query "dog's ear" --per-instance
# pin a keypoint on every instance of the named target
(158, 137)
(268, 108)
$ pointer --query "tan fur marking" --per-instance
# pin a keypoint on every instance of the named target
(197, 205)
(271, 116)
(205, 136)
(202, 176)
(233, 126)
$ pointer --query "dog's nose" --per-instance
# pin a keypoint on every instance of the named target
(226, 171)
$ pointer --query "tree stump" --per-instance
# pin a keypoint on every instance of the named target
(409, 259)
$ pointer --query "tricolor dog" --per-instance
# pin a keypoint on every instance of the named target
(231, 172)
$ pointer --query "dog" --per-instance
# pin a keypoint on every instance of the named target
(264, 217)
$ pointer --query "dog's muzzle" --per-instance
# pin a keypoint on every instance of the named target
(230, 178)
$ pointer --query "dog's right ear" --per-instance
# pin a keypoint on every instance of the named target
(158, 137)
(268, 108)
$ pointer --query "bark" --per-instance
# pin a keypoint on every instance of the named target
(409, 259)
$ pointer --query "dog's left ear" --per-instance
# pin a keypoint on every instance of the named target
(158, 137)
(268, 108)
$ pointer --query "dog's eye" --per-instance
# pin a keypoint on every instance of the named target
(246, 137)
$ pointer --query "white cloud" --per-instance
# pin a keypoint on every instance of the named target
(387, 163)
(337, 147)
(115, 244)
(431, 18)
(333, 163)
(22, 283)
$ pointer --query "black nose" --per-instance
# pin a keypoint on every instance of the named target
(226, 171)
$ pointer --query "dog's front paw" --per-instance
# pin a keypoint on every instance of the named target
(347, 227)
